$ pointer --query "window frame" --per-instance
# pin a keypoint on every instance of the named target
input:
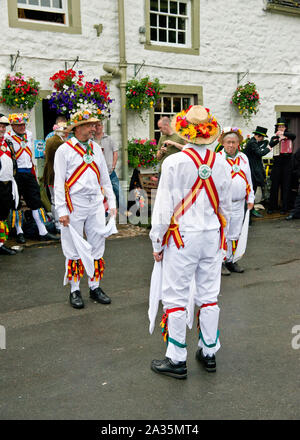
(282, 9)
(73, 18)
(193, 39)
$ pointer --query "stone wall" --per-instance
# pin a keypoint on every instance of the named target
(235, 37)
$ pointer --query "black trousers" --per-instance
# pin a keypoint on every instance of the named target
(281, 176)
(296, 210)
(29, 189)
(6, 200)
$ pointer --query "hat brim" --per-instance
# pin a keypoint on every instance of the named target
(261, 134)
(77, 124)
(198, 140)
(221, 138)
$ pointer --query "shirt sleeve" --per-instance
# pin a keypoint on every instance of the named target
(60, 167)
(163, 207)
(105, 180)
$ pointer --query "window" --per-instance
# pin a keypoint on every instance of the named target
(173, 25)
(51, 11)
(169, 105)
(169, 21)
(45, 15)
(291, 7)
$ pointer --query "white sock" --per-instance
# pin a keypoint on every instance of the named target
(93, 284)
(75, 285)
(19, 229)
(41, 227)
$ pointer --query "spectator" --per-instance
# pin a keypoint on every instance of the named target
(52, 144)
(295, 213)
(110, 151)
(256, 148)
(59, 119)
(281, 174)
(169, 142)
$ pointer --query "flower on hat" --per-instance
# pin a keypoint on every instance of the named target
(18, 118)
(192, 131)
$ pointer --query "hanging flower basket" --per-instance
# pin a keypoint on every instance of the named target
(18, 92)
(142, 94)
(72, 93)
(246, 100)
(142, 153)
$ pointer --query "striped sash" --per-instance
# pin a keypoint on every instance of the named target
(7, 150)
(78, 173)
(239, 172)
(21, 149)
(190, 198)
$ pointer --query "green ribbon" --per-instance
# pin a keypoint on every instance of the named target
(209, 345)
(178, 344)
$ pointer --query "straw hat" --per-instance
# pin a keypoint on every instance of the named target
(3, 119)
(60, 127)
(81, 117)
(18, 118)
(230, 130)
(196, 125)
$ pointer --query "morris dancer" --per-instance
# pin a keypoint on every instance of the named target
(9, 197)
(80, 173)
(192, 207)
(26, 180)
(242, 191)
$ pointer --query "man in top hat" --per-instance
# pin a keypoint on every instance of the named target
(52, 144)
(192, 208)
(256, 148)
(242, 192)
(80, 174)
(9, 197)
(281, 174)
(28, 187)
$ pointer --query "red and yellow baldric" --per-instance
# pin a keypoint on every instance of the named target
(190, 198)
(79, 172)
(6, 151)
(21, 149)
(241, 173)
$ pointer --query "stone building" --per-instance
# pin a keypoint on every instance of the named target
(199, 49)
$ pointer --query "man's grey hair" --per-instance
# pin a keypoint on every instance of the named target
(165, 120)
(231, 135)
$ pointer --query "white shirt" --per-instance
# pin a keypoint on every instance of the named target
(178, 176)
(24, 160)
(7, 168)
(66, 161)
(238, 183)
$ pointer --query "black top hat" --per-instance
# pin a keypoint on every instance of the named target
(281, 121)
(261, 131)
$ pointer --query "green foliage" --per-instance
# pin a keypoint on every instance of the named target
(19, 93)
(246, 100)
(142, 94)
(142, 153)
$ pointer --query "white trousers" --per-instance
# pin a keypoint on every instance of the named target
(235, 225)
(88, 217)
(202, 257)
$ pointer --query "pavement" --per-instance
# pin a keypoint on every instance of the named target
(94, 364)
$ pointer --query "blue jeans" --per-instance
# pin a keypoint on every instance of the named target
(118, 192)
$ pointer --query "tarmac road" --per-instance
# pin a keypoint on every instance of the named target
(94, 364)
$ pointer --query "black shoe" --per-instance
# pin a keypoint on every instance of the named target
(7, 251)
(234, 267)
(225, 272)
(289, 217)
(48, 237)
(282, 212)
(209, 362)
(21, 239)
(168, 368)
(270, 211)
(75, 300)
(99, 296)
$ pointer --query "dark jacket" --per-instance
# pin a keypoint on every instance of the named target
(296, 163)
(255, 151)
(52, 145)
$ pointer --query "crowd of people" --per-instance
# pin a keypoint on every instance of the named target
(199, 223)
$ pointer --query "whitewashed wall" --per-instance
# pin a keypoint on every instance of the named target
(235, 37)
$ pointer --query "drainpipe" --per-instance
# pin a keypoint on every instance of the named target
(121, 71)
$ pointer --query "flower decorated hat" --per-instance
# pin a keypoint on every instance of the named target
(196, 125)
(83, 117)
(18, 118)
(3, 119)
(229, 130)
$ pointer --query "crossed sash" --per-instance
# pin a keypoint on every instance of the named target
(21, 149)
(7, 151)
(208, 184)
(78, 172)
(239, 172)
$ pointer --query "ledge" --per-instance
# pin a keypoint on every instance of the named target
(281, 9)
